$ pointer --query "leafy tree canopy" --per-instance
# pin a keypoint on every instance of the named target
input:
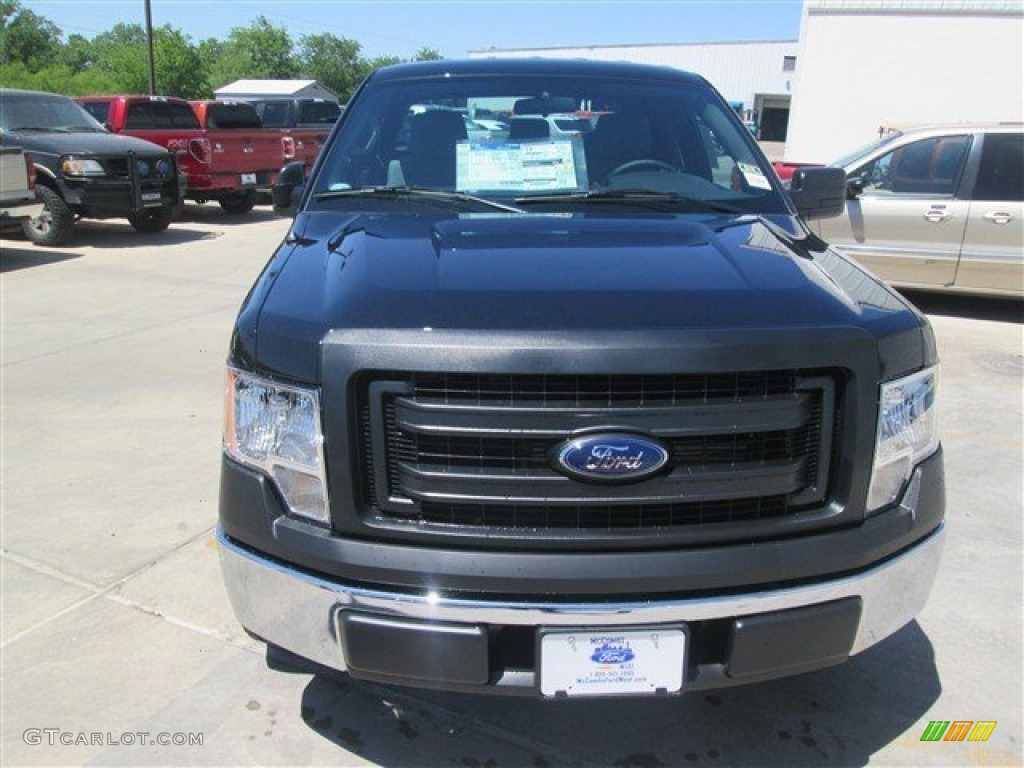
(34, 55)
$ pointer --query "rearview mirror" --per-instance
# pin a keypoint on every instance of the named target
(818, 193)
(287, 191)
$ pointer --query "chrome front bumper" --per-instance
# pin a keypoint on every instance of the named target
(300, 612)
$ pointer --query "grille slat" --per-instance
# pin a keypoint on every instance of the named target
(472, 451)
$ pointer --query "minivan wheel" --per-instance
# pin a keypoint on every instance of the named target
(55, 225)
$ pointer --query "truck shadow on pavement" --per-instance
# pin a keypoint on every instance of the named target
(969, 307)
(120, 235)
(25, 256)
(212, 213)
(839, 716)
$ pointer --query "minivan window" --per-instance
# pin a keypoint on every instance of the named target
(1001, 176)
(926, 167)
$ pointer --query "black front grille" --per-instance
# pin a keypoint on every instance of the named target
(116, 167)
(473, 452)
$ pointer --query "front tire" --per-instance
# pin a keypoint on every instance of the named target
(152, 220)
(55, 225)
(238, 203)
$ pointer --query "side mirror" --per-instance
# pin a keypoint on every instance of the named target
(855, 186)
(291, 182)
(818, 193)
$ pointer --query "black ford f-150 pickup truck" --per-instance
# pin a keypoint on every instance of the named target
(571, 414)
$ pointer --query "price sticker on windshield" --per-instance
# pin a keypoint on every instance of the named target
(753, 176)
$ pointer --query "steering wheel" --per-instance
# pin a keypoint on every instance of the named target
(644, 162)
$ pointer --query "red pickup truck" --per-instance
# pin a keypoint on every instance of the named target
(224, 164)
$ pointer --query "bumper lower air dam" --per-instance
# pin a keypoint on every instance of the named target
(770, 633)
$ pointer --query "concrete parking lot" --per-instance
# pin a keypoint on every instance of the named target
(117, 634)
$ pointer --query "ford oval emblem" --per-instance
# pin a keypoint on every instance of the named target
(610, 457)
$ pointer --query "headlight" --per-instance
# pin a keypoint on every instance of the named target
(276, 429)
(163, 167)
(142, 168)
(77, 166)
(907, 434)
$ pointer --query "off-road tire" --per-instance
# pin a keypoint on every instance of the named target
(55, 225)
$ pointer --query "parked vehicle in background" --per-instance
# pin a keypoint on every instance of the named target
(226, 165)
(82, 171)
(304, 125)
(18, 201)
(586, 414)
(938, 208)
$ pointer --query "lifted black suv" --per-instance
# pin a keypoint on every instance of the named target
(83, 171)
(571, 412)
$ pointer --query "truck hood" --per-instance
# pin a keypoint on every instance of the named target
(83, 143)
(540, 273)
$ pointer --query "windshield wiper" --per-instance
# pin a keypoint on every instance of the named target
(398, 193)
(658, 200)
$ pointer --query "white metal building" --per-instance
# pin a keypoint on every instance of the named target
(866, 65)
(269, 89)
(756, 77)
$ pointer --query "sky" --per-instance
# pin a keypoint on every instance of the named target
(452, 27)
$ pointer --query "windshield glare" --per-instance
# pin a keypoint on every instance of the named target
(545, 137)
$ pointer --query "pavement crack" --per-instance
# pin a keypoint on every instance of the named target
(111, 593)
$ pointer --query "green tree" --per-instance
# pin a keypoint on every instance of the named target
(26, 37)
(258, 51)
(121, 54)
(334, 62)
(427, 54)
(78, 54)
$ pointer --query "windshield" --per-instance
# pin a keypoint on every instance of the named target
(548, 138)
(43, 112)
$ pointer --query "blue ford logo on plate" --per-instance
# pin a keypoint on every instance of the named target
(610, 457)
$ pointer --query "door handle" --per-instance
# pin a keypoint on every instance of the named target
(935, 215)
(998, 217)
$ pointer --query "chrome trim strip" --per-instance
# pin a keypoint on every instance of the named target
(297, 611)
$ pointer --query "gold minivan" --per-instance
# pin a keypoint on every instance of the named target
(937, 208)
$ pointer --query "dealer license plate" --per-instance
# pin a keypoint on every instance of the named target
(249, 178)
(602, 662)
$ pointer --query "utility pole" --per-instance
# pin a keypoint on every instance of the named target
(149, 42)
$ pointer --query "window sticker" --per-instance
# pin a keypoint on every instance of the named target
(753, 176)
(535, 166)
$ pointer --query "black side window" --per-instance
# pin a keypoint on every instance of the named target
(98, 109)
(140, 116)
(152, 115)
(181, 115)
(323, 112)
(1001, 176)
(274, 113)
(232, 116)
